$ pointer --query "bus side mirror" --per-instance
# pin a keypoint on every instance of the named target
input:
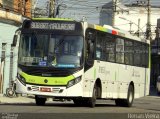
(14, 40)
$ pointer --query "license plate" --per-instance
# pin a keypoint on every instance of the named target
(42, 89)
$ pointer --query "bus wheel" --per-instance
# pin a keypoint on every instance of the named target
(92, 100)
(40, 101)
(130, 97)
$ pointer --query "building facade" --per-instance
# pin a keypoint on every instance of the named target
(23, 7)
(12, 13)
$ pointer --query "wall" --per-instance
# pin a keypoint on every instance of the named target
(23, 7)
(6, 37)
(10, 20)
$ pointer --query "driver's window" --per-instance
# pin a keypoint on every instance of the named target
(90, 40)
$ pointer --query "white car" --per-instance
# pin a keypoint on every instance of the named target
(158, 84)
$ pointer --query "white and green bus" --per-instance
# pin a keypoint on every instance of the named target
(66, 59)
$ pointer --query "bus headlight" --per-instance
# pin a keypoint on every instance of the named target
(21, 79)
(74, 81)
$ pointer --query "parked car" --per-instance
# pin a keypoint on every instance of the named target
(158, 85)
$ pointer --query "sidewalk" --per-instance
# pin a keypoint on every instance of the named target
(16, 100)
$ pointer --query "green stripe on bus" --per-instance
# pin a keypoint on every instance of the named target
(147, 77)
(47, 80)
(149, 57)
(59, 19)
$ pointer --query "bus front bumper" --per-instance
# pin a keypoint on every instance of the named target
(52, 91)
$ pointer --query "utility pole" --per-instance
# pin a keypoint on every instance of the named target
(138, 34)
(51, 8)
(148, 27)
(114, 2)
(34, 7)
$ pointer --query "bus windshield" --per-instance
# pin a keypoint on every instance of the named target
(43, 50)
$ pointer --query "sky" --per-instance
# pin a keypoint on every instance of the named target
(84, 9)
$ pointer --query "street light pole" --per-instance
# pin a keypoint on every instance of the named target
(148, 28)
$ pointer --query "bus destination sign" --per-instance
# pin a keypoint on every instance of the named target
(53, 26)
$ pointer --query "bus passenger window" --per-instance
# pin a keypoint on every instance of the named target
(128, 52)
(98, 52)
(110, 48)
(119, 50)
(137, 53)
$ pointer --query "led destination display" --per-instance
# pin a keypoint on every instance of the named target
(53, 26)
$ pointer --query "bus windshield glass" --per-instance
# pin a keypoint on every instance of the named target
(49, 50)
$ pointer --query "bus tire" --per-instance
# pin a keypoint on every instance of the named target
(40, 101)
(130, 97)
(92, 100)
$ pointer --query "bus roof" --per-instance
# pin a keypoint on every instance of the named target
(116, 31)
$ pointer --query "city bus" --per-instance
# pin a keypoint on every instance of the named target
(73, 60)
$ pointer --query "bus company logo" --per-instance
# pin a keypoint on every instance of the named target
(45, 81)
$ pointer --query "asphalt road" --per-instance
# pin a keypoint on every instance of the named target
(143, 108)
